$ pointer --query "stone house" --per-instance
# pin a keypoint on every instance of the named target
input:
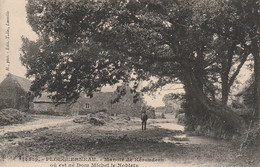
(14, 92)
(83, 105)
(101, 101)
(45, 104)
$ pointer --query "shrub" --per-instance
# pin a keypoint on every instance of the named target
(12, 116)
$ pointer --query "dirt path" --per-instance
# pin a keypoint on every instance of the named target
(118, 138)
(185, 139)
(39, 122)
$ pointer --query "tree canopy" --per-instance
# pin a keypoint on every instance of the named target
(84, 45)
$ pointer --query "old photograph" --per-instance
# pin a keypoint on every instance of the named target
(129, 83)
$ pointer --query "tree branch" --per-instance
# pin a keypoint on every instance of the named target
(233, 77)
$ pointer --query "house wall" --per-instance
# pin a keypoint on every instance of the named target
(84, 105)
(51, 107)
(127, 106)
(100, 101)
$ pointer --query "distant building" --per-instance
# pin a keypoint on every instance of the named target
(14, 91)
(101, 101)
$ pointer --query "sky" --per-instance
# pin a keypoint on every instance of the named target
(19, 27)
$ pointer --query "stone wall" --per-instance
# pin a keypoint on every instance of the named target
(84, 105)
(51, 107)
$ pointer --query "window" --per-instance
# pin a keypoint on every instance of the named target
(87, 106)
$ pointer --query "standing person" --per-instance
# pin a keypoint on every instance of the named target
(144, 118)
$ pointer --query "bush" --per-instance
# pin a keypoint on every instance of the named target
(12, 116)
(181, 119)
(254, 135)
(95, 121)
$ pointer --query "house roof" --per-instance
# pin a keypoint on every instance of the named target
(104, 95)
(43, 99)
(97, 95)
(24, 83)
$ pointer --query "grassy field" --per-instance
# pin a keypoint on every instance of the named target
(118, 139)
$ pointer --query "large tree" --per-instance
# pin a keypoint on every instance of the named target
(84, 45)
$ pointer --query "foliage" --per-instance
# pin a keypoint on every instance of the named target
(84, 45)
(172, 97)
(11, 116)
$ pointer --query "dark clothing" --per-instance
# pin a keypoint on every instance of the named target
(144, 118)
(143, 125)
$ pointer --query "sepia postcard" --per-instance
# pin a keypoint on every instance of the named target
(129, 83)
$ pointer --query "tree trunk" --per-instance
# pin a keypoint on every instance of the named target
(255, 52)
(226, 66)
(225, 89)
(230, 120)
